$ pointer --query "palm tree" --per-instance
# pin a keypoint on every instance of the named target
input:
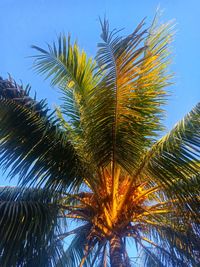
(98, 160)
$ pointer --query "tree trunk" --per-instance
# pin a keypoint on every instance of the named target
(116, 252)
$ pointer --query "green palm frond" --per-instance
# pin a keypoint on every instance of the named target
(68, 67)
(124, 109)
(68, 113)
(28, 228)
(71, 70)
(33, 147)
(173, 161)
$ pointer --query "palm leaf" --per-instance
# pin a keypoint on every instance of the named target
(124, 108)
(33, 147)
(74, 73)
(28, 228)
(66, 64)
(103, 259)
(71, 70)
(74, 254)
(150, 259)
(9, 89)
(173, 161)
(172, 237)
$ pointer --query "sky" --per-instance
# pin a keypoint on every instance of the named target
(24, 23)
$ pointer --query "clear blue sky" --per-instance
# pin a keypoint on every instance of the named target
(27, 22)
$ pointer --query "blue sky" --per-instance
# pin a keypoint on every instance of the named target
(23, 23)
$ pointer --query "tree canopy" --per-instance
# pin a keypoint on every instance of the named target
(98, 159)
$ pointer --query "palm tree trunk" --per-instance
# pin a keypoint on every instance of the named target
(116, 252)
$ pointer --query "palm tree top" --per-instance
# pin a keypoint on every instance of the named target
(98, 159)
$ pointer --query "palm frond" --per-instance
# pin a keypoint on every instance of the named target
(124, 108)
(166, 257)
(103, 258)
(150, 259)
(28, 228)
(173, 161)
(69, 67)
(33, 147)
(172, 238)
(183, 245)
(75, 252)
(9, 89)
(71, 70)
